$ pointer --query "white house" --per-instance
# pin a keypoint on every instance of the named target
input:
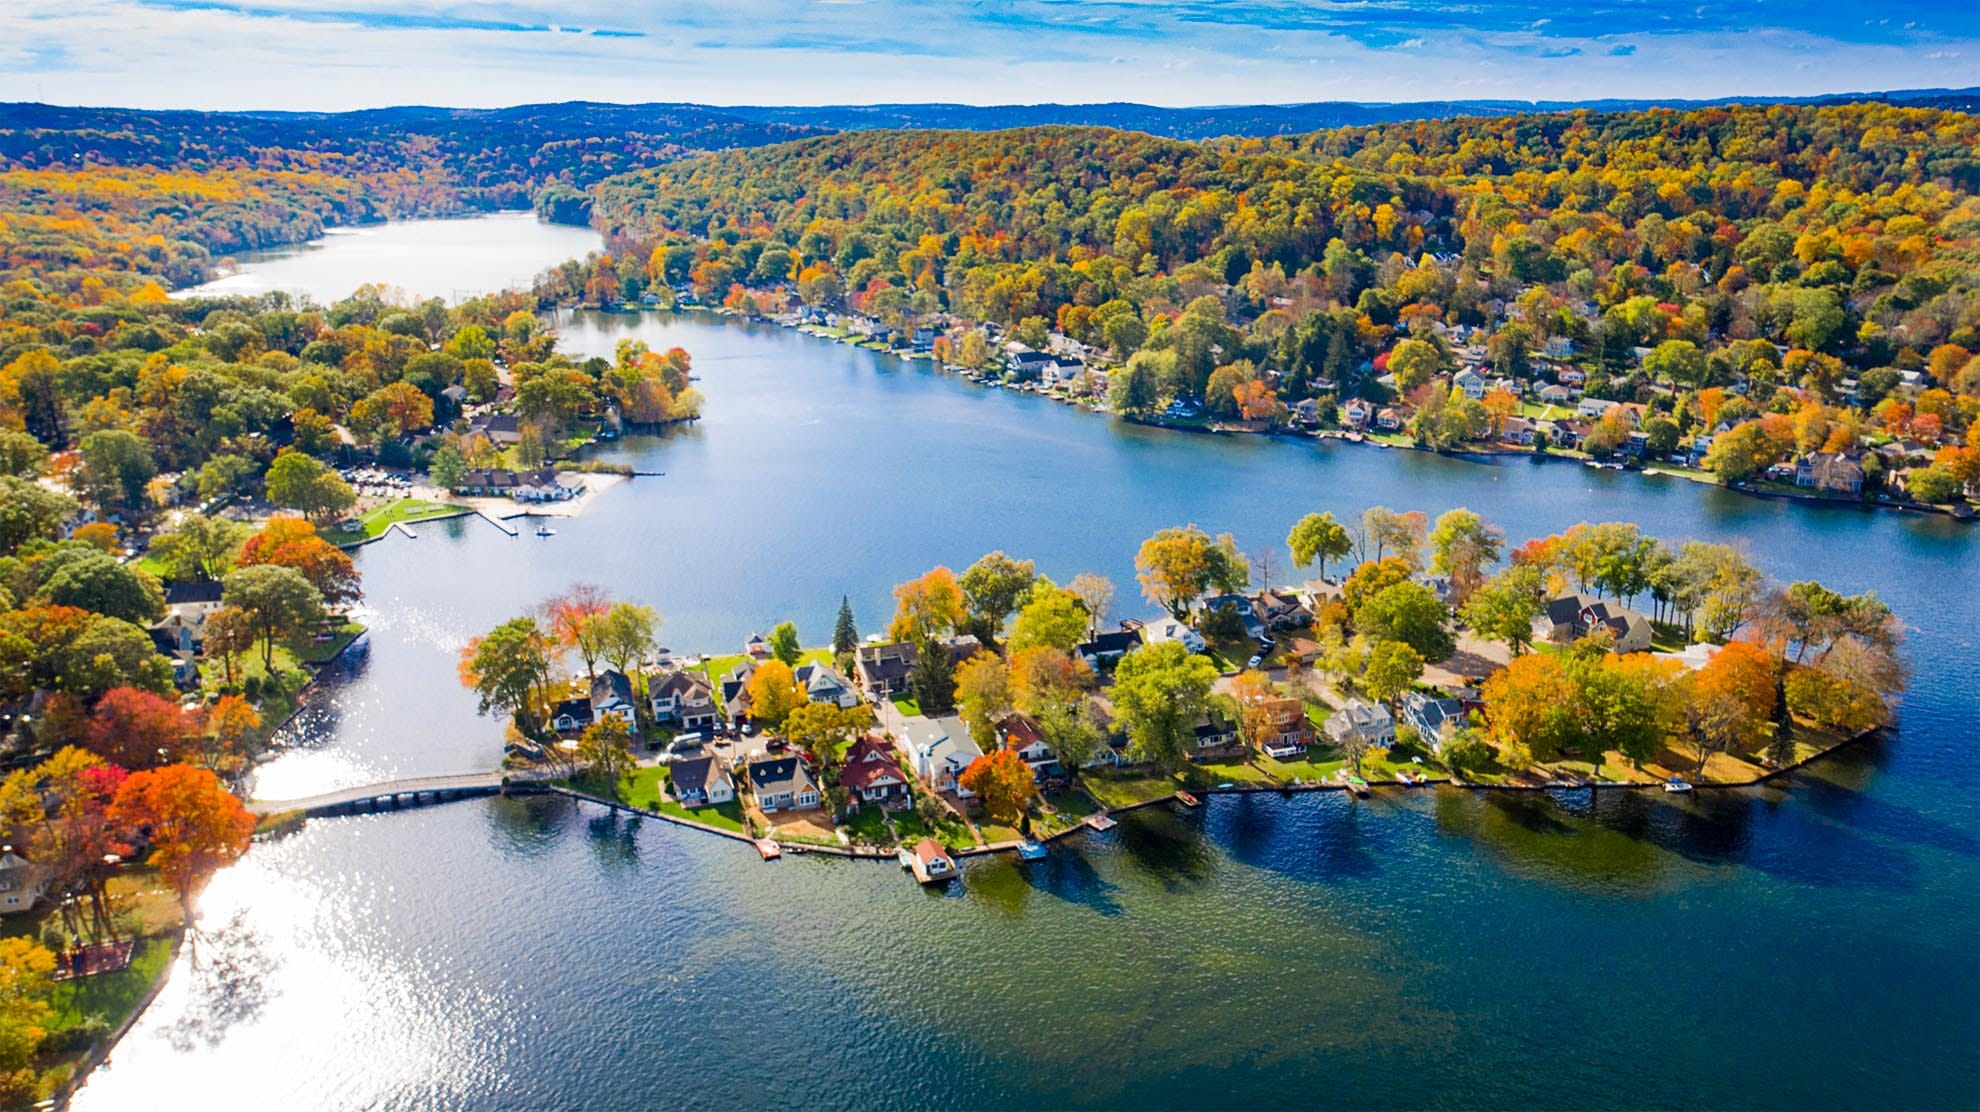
(822, 683)
(1471, 382)
(701, 782)
(612, 697)
(1169, 629)
(1371, 722)
(937, 750)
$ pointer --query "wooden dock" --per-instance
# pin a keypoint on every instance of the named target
(769, 848)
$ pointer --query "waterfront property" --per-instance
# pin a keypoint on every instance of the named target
(782, 784)
(938, 750)
(872, 775)
(701, 782)
(1360, 723)
(1572, 617)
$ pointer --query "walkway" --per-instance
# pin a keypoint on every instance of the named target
(439, 788)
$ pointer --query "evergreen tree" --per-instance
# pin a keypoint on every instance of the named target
(845, 635)
(934, 677)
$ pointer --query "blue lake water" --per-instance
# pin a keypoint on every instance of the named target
(1808, 947)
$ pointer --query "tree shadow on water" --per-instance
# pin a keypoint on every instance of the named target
(227, 984)
(1069, 876)
(1166, 846)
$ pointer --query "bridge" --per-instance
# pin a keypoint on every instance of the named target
(400, 795)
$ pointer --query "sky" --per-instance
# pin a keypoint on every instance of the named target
(343, 54)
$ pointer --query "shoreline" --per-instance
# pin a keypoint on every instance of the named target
(1488, 452)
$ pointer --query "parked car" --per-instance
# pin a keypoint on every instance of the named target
(1254, 662)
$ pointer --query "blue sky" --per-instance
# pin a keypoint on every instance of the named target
(335, 54)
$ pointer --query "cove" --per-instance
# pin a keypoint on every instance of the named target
(1781, 948)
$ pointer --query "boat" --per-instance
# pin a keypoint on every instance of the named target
(1676, 786)
(1032, 851)
(545, 531)
(1407, 780)
(1101, 822)
(1227, 785)
(1188, 800)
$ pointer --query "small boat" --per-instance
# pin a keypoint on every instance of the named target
(545, 531)
(1676, 786)
(769, 849)
(1227, 785)
(1406, 779)
(1188, 800)
(1101, 822)
(1032, 851)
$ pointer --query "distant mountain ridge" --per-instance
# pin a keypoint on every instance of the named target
(30, 127)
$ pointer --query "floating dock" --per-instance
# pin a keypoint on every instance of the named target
(1101, 822)
(769, 848)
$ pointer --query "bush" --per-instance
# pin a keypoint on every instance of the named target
(76, 1039)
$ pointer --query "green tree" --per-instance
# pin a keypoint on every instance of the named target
(627, 634)
(1393, 667)
(21, 455)
(1176, 566)
(933, 682)
(201, 548)
(1054, 617)
(87, 577)
(29, 511)
(116, 466)
(605, 751)
(1410, 613)
(784, 644)
(1160, 693)
(1318, 537)
(508, 669)
(447, 469)
(1414, 363)
(994, 586)
(1505, 607)
(845, 635)
(224, 475)
(277, 602)
(1462, 547)
(301, 482)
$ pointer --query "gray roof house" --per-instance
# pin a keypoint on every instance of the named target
(1571, 617)
(1434, 718)
(701, 782)
(612, 697)
(822, 683)
(1370, 722)
(937, 750)
(782, 784)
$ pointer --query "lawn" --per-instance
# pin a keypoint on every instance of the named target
(1112, 789)
(1321, 762)
(647, 790)
(1235, 772)
(911, 828)
(868, 825)
(718, 666)
(1667, 638)
(324, 651)
(907, 706)
(111, 995)
(373, 524)
(997, 832)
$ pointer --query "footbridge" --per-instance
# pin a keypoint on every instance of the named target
(400, 795)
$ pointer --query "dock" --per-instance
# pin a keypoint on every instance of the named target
(1101, 822)
(769, 848)
(404, 528)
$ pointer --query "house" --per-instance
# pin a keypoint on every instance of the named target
(1278, 610)
(571, 715)
(1026, 362)
(885, 670)
(1391, 418)
(1434, 718)
(1830, 472)
(21, 882)
(756, 648)
(735, 681)
(684, 699)
(1169, 629)
(503, 430)
(1470, 382)
(701, 782)
(1108, 647)
(1021, 734)
(822, 683)
(1570, 434)
(931, 864)
(1306, 412)
(1556, 394)
(1593, 408)
(937, 750)
(612, 697)
(1239, 605)
(202, 598)
(1571, 617)
(1574, 378)
(1291, 731)
(872, 775)
(1518, 430)
(1215, 736)
(782, 784)
(1303, 649)
(1557, 347)
(1369, 723)
(1357, 414)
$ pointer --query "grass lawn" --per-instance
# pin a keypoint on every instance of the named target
(909, 828)
(408, 510)
(998, 832)
(278, 692)
(110, 995)
(1666, 638)
(906, 705)
(869, 825)
(1123, 788)
(718, 666)
(647, 789)
(321, 652)
(1236, 772)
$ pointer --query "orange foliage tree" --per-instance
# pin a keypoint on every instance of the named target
(292, 542)
(194, 824)
(1003, 782)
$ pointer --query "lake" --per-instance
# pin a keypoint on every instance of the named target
(451, 259)
(1769, 948)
